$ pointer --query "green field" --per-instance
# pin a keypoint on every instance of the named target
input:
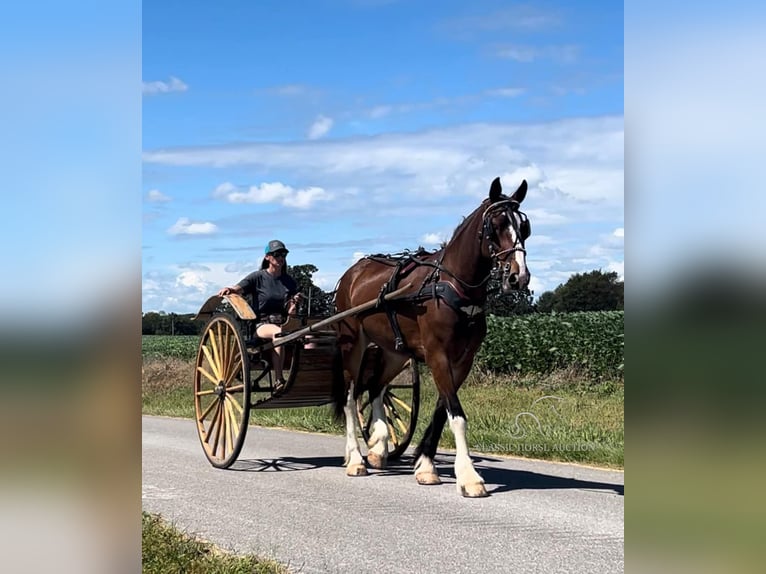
(574, 419)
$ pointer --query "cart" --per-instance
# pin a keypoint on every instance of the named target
(233, 377)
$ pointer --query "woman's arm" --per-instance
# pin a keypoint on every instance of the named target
(228, 290)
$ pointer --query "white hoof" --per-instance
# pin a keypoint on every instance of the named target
(475, 490)
(356, 470)
(428, 478)
(377, 461)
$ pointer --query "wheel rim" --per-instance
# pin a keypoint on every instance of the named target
(221, 391)
(401, 401)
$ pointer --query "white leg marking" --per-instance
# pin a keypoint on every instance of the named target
(353, 460)
(378, 443)
(425, 471)
(469, 483)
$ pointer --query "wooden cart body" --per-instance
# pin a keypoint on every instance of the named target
(233, 376)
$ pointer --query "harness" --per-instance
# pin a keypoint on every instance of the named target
(451, 290)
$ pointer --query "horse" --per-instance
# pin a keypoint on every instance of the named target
(438, 320)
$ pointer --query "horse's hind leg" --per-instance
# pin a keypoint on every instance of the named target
(352, 364)
(390, 366)
(353, 460)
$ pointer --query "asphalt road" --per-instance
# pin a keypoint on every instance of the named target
(288, 498)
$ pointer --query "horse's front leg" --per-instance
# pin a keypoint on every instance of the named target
(353, 460)
(377, 454)
(448, 377)
(469, 482)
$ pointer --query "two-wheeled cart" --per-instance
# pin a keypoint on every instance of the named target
(233, 377)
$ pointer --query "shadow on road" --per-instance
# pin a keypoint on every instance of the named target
(498, 480)
(286, 464)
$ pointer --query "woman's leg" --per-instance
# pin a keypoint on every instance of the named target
(269, 331)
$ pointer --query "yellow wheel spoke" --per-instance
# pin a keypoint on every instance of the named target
(225, 344)
(213, 365)
(214, 340)
(400, 402)
(208, 376)
(401, 425)
(201, 393)
(235, 403)
(231, 370)
(207, 412)
(232, 423)
(392, 434)
(216, 422)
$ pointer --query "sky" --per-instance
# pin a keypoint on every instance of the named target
(352, 127)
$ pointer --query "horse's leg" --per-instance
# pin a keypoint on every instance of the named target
(352, 363)
(425, 471)
(469, 482)
(448, 377)
(391, 364)
(353, 460)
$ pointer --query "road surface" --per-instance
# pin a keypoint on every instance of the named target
(287, 498)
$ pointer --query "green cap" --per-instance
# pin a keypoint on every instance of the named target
(275, 245)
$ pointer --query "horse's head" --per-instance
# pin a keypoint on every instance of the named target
(504, 231)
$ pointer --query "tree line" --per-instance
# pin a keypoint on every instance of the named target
(593, 291)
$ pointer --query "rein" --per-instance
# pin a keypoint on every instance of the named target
(403, 260)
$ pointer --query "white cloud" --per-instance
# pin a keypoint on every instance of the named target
(433, 238)
(565, 54)
(357, 256)
(570, 160)
(505, 92)
(274, 192)
(405, 188)
(192, 279)
(158, 87)
(380, 111)
(156, 196)
(305, 198)
(619, 267)
(186, 227)
(320, 127)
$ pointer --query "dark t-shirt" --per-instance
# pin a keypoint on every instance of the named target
(269, 293)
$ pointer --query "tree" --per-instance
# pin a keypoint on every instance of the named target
(546, 302)
(592, 291)
(316, 301)
(504, 305)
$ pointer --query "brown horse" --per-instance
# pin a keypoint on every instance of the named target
(439, 320)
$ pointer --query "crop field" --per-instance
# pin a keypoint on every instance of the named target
(567, 370)
(589, 343)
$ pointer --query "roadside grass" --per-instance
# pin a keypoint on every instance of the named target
(165, 550)
(562, 416)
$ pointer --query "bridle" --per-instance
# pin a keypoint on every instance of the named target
(501, 267)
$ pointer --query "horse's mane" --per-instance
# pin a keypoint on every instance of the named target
(464, 223)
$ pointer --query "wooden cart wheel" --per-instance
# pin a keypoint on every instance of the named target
(401, 402)
(222, 391)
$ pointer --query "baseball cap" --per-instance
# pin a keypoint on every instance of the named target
(275, 245)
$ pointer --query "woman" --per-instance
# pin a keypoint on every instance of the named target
(274, 292)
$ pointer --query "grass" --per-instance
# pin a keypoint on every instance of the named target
(165, 549)
(560, 417)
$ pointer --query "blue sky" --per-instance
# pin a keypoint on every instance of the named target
(349, 127)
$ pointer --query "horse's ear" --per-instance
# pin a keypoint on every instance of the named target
(495, 190)
(519, 195)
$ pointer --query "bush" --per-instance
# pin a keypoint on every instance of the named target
(592, 342)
